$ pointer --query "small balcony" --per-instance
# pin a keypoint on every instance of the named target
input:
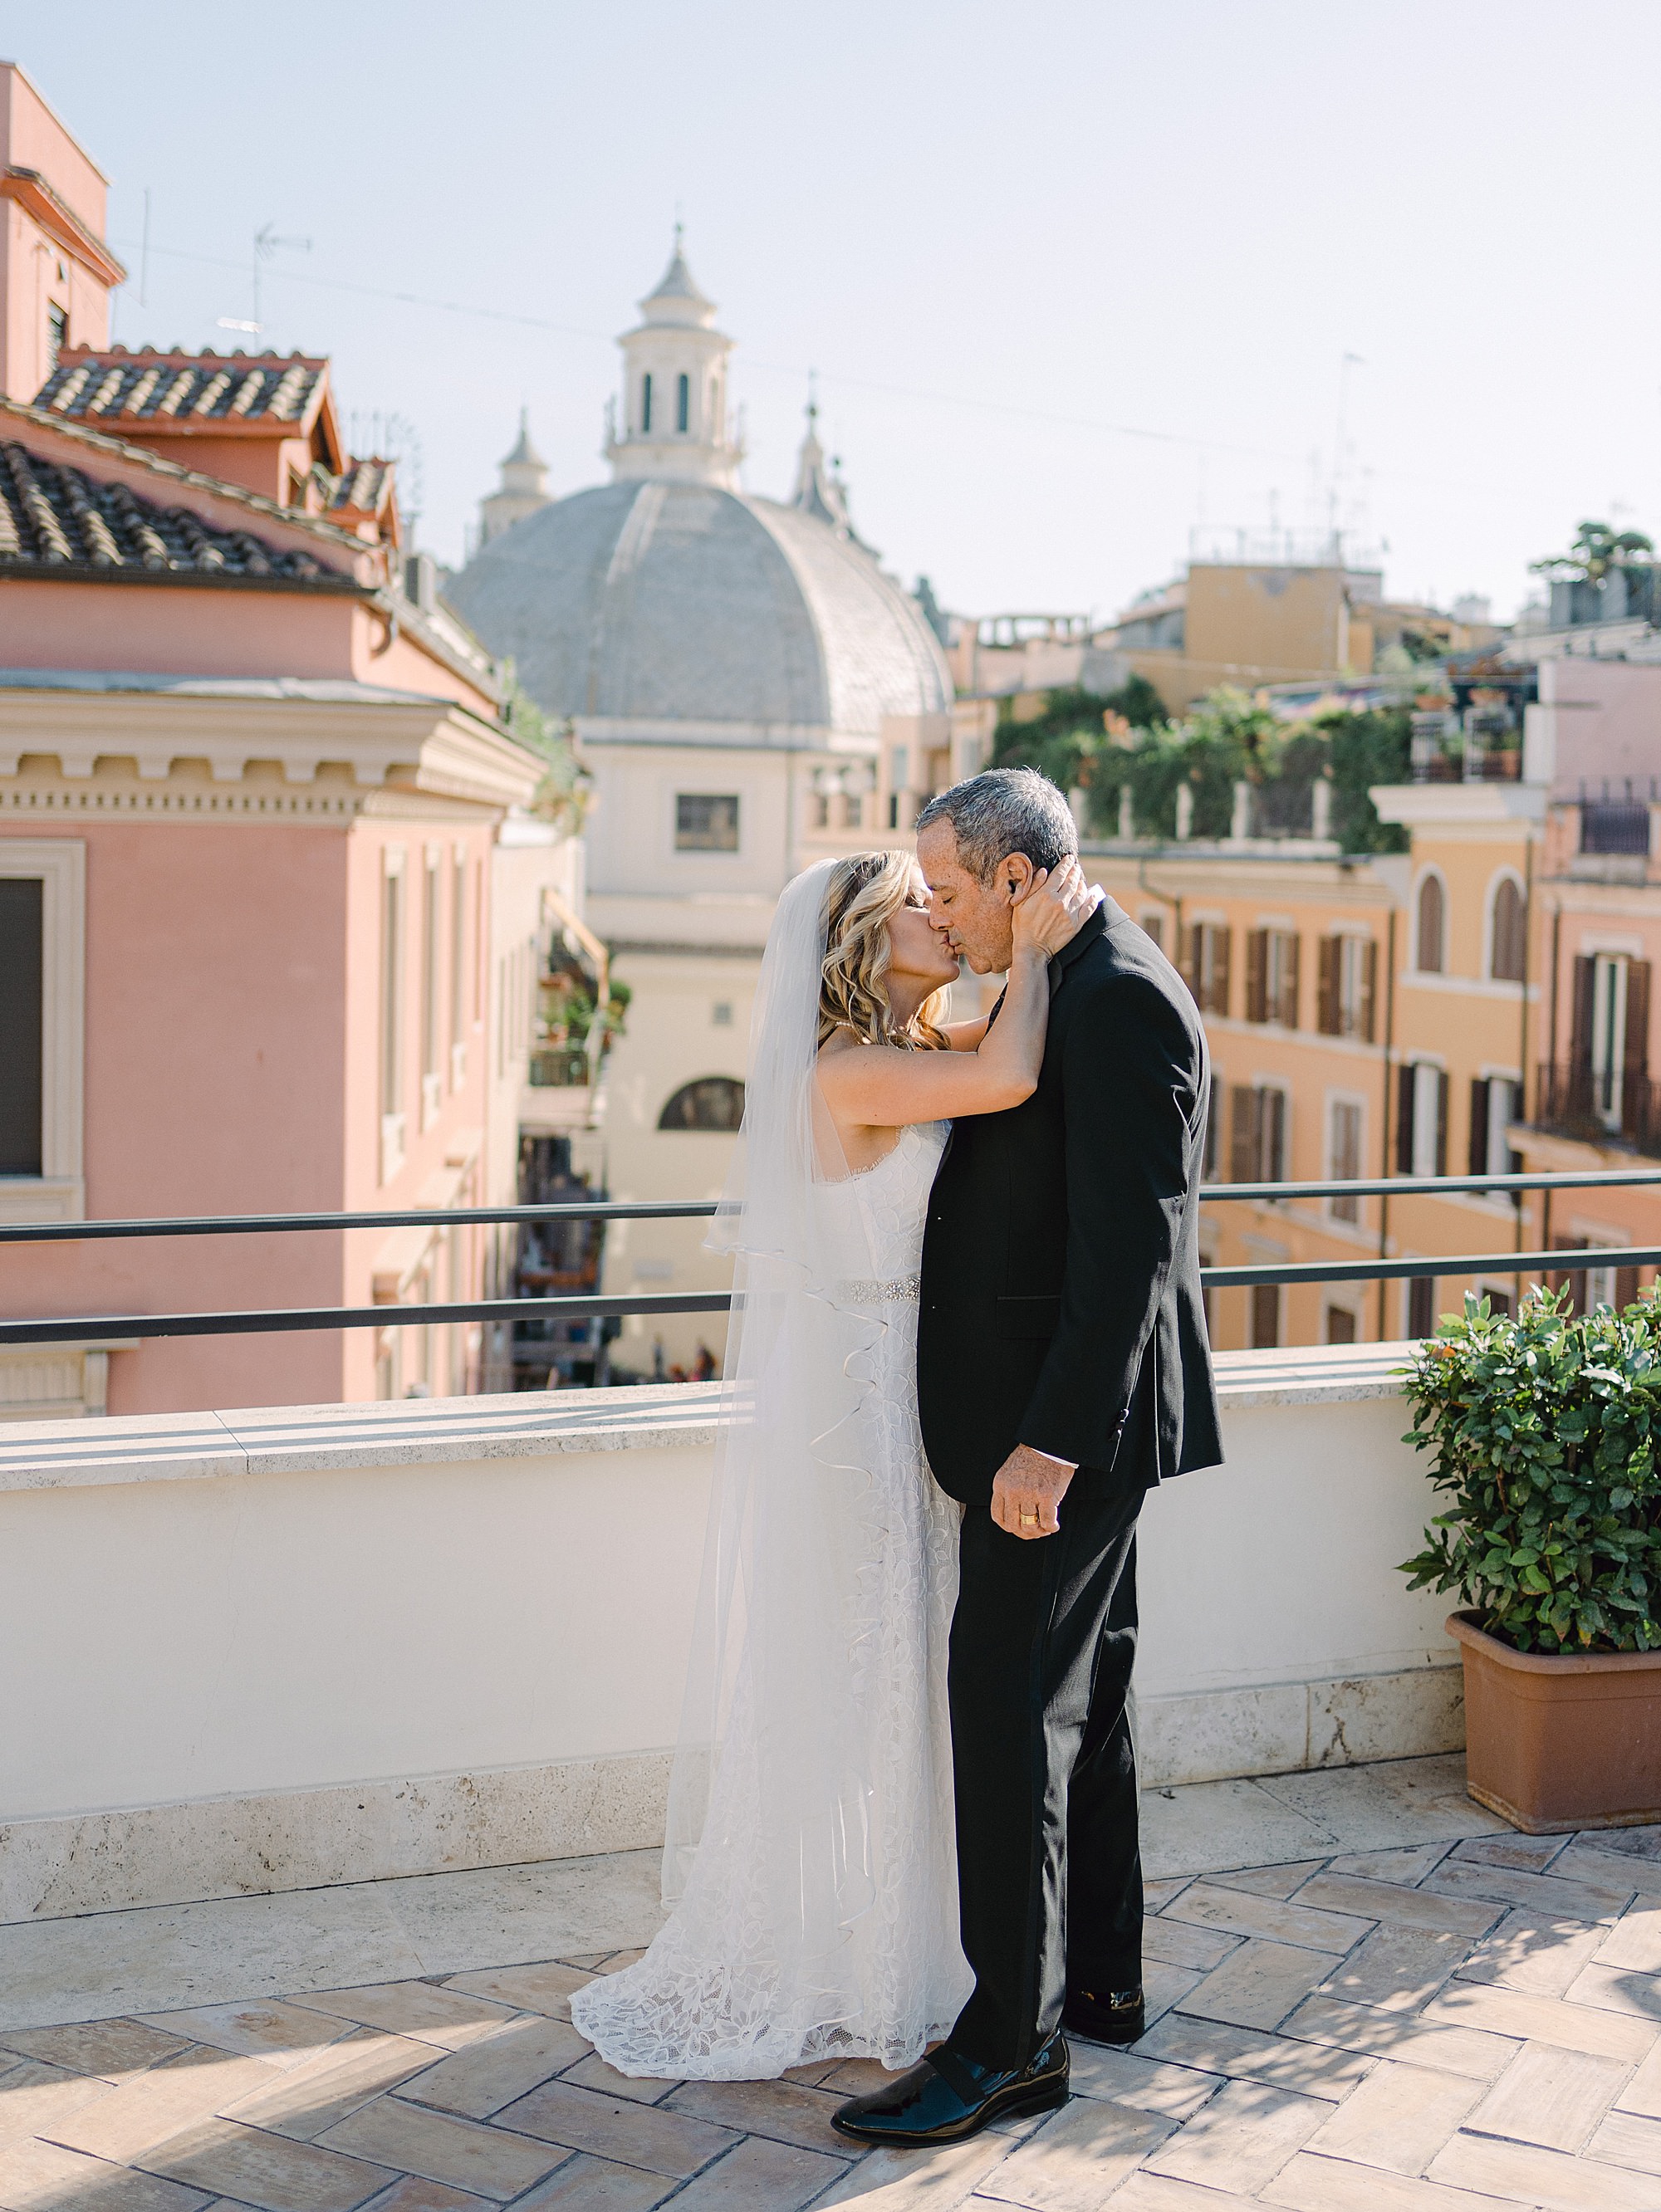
(1607, 1107)
(1484, 745)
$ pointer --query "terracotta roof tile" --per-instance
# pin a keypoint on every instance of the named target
(52, 516)
(123, 391)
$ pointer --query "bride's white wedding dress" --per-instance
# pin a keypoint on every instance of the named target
(819, 1916)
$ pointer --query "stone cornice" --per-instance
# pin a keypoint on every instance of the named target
(418, 743)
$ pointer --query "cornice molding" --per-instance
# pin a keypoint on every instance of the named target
(426, 745)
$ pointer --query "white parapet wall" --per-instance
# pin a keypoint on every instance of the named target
(263, 1651)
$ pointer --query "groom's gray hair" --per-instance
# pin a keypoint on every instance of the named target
(1004, 811)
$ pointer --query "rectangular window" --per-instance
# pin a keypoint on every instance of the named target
(1213, 1131)
(1154, 926)
(458, 969)
(821, 810)
(899, 769)
(1272, 976)
(706, 823)
(853, 812)
(391, 1014)
(1207, 966)
(1421, 1125)
(683, 403)
(1347, 986)
(57, 334)
(22, 1025)
(1422, 1305)
(1265, 1315)
(1344, 1152)
(430, 1083)
(1258, 1139)
(1340, 1325)
(646, 401)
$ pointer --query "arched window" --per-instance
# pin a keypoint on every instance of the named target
(646, 401)
(713, 1102)
(1508, 941)
(1433, 927)
(683, 403)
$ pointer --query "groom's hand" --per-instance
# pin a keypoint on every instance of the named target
(1027, 1492)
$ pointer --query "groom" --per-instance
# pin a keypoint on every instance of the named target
(1062, 1369)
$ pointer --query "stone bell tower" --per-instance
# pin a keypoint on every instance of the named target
(673, 419)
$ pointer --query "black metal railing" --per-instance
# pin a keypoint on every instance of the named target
(93, 1328)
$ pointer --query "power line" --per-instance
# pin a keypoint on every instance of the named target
(751, 360)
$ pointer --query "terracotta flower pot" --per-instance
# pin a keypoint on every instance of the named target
(1555, 1740)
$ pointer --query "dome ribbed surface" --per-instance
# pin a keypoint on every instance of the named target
(657, 601)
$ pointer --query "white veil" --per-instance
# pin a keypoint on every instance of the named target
(785, 1619)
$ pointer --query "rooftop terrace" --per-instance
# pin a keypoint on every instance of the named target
(335, 1761)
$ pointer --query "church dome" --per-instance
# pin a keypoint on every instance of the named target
(668, 595)
(647, 601)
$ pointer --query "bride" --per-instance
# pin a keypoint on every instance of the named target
(810, 1858)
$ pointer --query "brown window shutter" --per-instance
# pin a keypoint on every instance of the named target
(1626, 1288)
(1220, 940)
(1585, 983)
(1442, 1123)
(1272, 1121)
(1243, 1149)
(1290, 949)
(1479, 1127)
(1256, 976)
(1328, 1012)
(1369, 988)
(1404, 1092)
(1637, 1063)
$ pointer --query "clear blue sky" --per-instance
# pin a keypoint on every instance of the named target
(1004, 237)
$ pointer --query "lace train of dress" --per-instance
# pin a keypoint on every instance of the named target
(732, 1988)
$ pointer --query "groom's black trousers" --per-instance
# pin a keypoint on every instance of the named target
(1050, 1865)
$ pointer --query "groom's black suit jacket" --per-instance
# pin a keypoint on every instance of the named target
(1061, 1262)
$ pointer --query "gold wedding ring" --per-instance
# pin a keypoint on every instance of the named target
(1028, 1520)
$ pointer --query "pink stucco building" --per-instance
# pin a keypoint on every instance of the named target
(263, 946)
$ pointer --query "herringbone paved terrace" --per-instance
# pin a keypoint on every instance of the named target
(1448, 2025)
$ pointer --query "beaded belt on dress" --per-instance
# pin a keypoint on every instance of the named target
(873, 1293)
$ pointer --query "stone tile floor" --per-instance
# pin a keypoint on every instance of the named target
(1457, 2021)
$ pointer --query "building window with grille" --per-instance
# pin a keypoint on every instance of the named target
(706, 822)
(1421, 1119)
(1258, 1147)
(1206, 966)
(683, 403)
(1508, 934)
(1431, 927)
(1346, 986)
(1344, 1155)
(1272, 976)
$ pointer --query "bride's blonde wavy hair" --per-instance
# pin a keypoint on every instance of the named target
(868, 890)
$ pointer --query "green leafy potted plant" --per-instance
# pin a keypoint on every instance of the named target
(1545, 1434)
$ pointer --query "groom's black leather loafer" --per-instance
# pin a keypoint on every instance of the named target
(947, 2097)
(1110, 2016)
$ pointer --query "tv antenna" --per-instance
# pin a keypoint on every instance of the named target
(266, 243)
